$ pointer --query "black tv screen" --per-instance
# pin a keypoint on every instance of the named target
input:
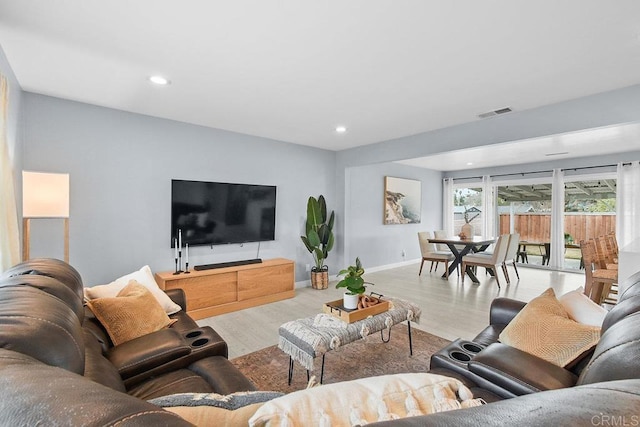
(216, 213)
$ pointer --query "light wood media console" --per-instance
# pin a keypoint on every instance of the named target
(222, 290)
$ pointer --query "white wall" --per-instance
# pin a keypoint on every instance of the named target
(121, 165)
(367, 237)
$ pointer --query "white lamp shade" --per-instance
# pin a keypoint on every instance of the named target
(45, 195)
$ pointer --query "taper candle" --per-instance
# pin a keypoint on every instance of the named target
(175, 244)
(180, 238)
(186, 254)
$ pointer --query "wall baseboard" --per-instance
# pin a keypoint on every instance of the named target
(303, 284)
(389, 266)
(307, 283)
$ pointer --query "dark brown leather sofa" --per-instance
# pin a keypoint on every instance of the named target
(602, 388)
(59, 367)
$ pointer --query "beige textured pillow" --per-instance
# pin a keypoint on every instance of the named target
(543, 328)
(134, 312)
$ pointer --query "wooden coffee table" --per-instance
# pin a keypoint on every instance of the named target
(306, 339)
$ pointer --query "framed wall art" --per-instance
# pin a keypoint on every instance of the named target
(402, 200)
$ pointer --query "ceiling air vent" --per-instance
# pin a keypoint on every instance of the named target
(495, 112)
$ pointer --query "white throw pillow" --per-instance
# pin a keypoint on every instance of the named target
(581, 309)
(144, 276)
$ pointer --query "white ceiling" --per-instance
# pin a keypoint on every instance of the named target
(293, 70)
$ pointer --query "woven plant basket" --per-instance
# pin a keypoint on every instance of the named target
(320, 279)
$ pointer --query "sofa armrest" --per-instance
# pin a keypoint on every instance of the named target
(178, 296)
(168, 355)
(147, 352)
(34, 393)
(519, 372)
(503, 310)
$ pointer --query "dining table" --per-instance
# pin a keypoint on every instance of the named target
(460, 247)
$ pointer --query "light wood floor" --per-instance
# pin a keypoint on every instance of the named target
(450, 309)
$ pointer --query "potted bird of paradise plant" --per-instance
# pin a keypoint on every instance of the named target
(318, 239)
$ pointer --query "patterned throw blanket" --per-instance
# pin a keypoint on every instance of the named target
(364, 401)
(306, 339)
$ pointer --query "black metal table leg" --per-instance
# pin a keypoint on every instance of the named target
(322, 369)
(456, 260)
(410, 341)
(290, 370)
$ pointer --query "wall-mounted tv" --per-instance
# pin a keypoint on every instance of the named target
(217, 213)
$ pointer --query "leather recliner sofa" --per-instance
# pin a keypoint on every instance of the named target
(601, 388)
(58, 365)
(54, 371)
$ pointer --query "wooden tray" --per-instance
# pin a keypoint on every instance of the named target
(335, 308)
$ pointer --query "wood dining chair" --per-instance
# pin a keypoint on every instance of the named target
(598, 281)
(431, 253)
(494, 261)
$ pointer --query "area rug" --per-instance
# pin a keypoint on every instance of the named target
(268, 367)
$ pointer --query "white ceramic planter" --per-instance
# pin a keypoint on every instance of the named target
(350, 302)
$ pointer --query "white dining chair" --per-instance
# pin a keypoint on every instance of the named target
(431, 253)
(494, 261)
(441, 234)
(512, 255)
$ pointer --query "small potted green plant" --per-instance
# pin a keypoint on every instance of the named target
(354, 283)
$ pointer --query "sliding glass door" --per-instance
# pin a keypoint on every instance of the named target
(524, 207)
(590, 211)
(586, 209)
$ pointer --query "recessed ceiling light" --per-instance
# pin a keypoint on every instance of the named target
(341, 129)
(469, 163)
(159, 80)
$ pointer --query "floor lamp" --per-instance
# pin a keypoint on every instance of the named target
(44, 195)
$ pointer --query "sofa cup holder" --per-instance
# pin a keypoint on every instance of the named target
(194, 334)
(460, 356)
(199, 342)
(471, 347)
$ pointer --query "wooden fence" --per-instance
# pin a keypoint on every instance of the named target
(536, 227)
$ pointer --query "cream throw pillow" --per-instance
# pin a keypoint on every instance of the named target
(543, 328)
(144, 276)
(580, 308)
(365, 401)
(134, 312)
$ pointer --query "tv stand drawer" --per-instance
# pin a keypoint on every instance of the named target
(223, 290)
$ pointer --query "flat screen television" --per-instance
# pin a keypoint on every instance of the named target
(217, 213)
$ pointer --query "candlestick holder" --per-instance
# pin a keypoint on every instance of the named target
(186, 268)
(176, 272)
(179, 262)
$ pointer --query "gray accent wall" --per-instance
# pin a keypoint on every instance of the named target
(121, 165)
